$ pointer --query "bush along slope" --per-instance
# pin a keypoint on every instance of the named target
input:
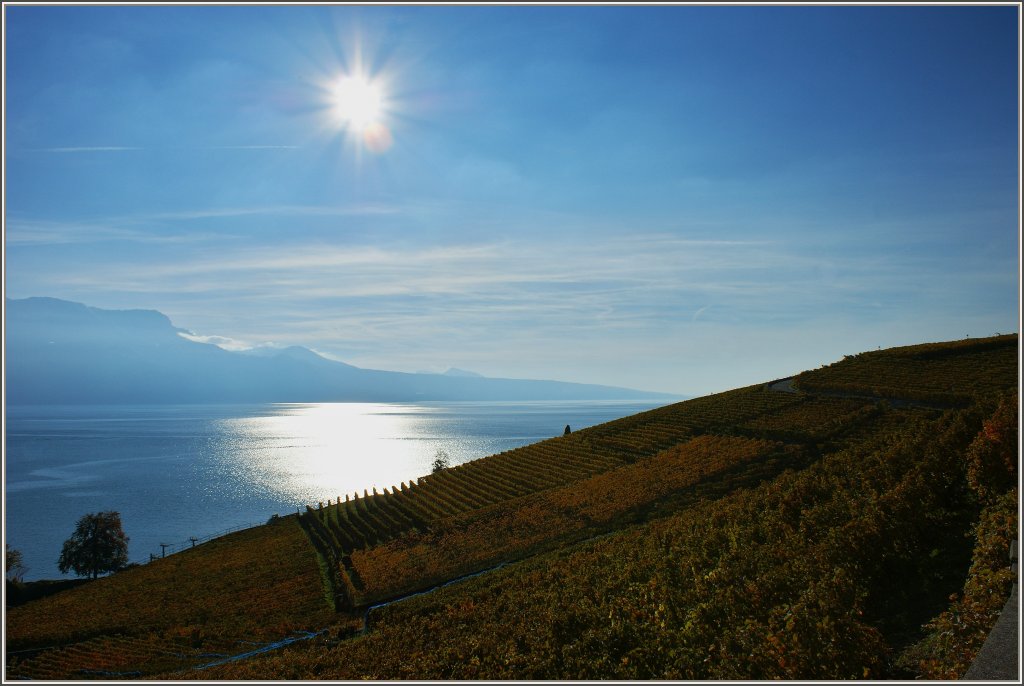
(957, 634)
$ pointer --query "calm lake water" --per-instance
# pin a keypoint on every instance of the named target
(194, 470)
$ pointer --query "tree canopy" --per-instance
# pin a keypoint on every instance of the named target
(14, 566)
(99, 545)
(441, 462)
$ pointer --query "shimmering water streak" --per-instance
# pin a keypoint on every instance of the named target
(180, 471)
(307, 453)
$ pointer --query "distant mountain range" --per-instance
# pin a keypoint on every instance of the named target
(60, 352)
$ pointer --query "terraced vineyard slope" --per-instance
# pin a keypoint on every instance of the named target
(937, 373)
(813, 530)
(841, 565)
(174, 613)
(339, 528)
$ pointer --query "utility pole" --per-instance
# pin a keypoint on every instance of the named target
(163, 549)
(193, 539)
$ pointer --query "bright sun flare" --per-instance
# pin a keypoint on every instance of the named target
(358, 102)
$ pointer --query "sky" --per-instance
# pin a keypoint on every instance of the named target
(670, 198)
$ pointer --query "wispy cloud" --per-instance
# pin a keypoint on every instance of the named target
(128, 148)
(630, 281)
(360, 209)
(252, 147)
(521, 302)
(28, 232)
(153, 227)
(626, 282)
(89, 148)
(219, 341)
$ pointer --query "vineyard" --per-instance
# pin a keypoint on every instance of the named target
(816, 574)
(538, 522)
(121, 656)
(949, 374)
(342, 527)
(359, 522)
(255, 585)
(751, 534)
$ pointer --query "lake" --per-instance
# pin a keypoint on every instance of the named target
(177, 471)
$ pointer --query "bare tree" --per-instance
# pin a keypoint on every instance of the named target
(14, 566)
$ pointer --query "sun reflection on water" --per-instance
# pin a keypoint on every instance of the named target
(305, 453)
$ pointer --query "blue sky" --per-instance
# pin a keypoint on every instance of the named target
(682, 199)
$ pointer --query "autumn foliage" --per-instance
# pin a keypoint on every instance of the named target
(251, 585)
(784, 580)
(526, 525)
(992, 457)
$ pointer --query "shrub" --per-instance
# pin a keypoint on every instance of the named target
(992, 457)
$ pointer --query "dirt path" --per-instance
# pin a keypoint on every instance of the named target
(784, 386)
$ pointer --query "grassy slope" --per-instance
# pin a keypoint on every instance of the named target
(805, 575)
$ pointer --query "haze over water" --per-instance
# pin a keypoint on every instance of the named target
(193, 470)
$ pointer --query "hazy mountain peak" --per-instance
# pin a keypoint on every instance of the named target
(65, 352)
(55, 309)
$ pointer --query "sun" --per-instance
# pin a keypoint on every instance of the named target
(358, 103)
